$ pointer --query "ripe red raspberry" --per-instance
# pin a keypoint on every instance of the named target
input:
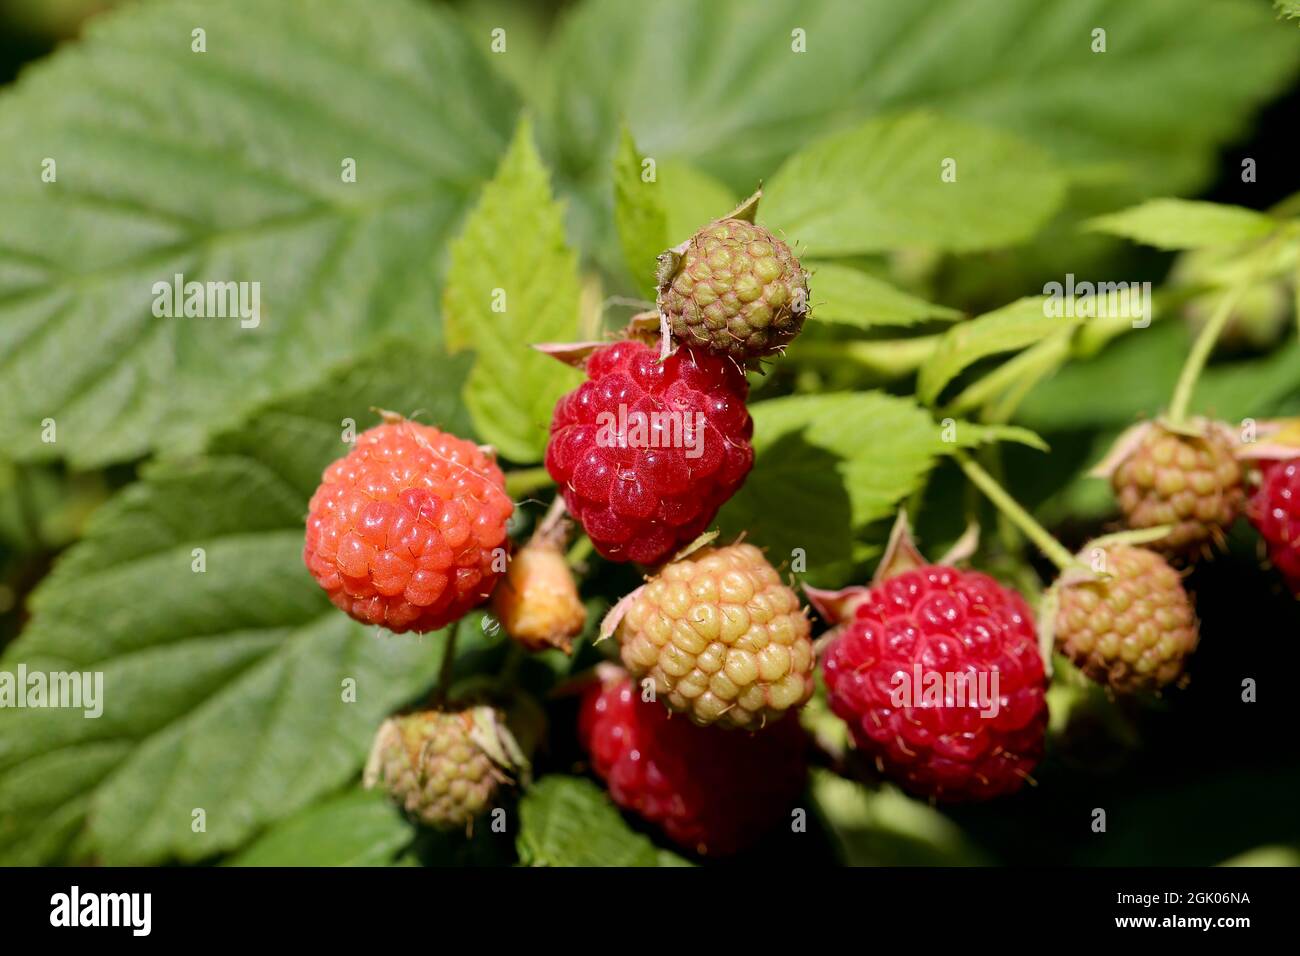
(723, 638)
(1274, 510)
(403, 530)
(711, 790)
(646, 451)
(931, 624)
(1131, 629)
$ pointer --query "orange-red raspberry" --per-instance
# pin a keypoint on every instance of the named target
(405, 530)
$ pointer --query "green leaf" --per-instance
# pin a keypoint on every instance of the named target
(226, 165)
(514, 283)
(43, 507)
(222, 689)
(1185, 224)
(639, 214)
(656, 215)
(737, 100)
(1272, 855)
(692, 199)
(847, 296)
(793, 476)
(885, 828)
(974, 433)
(1012, 327)
(882, 185)
(569, 821)
(826, 467)
(355, 828)
(1082, 395)
(1290, 9)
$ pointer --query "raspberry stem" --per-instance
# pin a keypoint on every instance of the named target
(999, 392)
(580, 551)
(525, 481)
(1199, 354)
(1018, 515)
(890, 358)
(448, 664)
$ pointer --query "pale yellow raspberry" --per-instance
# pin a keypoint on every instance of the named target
(724, 639)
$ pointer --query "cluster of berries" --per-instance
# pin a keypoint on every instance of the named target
(1132, 625)
(696, 731)
(409, 532)
(714, 634)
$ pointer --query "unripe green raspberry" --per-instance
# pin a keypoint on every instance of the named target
(725, 641)
(1193, 483)
(1133, 627)
(733, 289)
(444, 767)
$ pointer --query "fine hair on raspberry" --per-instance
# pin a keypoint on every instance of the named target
(646, 451)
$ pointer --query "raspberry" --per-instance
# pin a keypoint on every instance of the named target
(1131, 629)
(1274, 510)
(711, 791)
(733, 289)
(402, 530)
(724, 640)
(904, 635)
(1191, 482)
(444, 767)
(645, 452)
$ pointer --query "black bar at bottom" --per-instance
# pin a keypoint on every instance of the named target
(332, 906)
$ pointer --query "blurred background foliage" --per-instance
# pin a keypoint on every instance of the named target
(1186, 92)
